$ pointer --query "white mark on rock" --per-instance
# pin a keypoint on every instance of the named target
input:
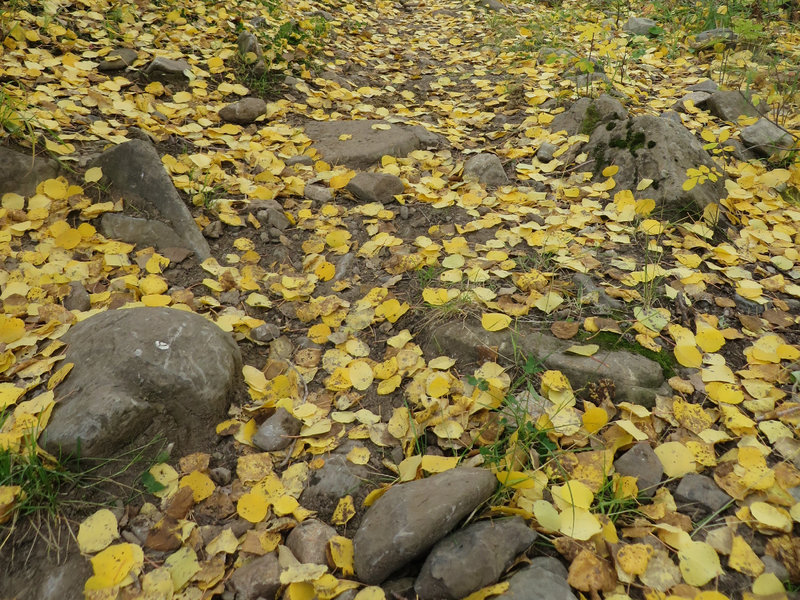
(162, 345)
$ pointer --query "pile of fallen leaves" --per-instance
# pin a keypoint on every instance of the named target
(734, 411)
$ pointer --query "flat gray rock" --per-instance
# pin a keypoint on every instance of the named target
(167, 70)
(471, 558)
(712, 37)
(337, 478)
(136, 174)
(375, 187)
(243, 111)
(639, 25)
(635, 377)
(411, 517)
(544, 579)
(370, 140)
(696, 98)
(641, 462)
(20, 172)
(707, 85)
(136, 366)
(485, 168)
(730, 105)
(766, 138)
(142, 232)
(699, 490)
(118, 59)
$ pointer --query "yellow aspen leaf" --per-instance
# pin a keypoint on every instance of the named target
(167, 477)
(495, 321)
(441, 363)
(572, 494)
(583, 350)
(633, 558)
(97, 531)
(549, 302)
(771, 517)
(113, 565)
(337, 182)
(182, 565)
(699, 563)
(449, 429)
(360, 374)
(359, 455)
(651, 227)
(546, 515)
(225, 542)
(387, 386)
(743, 559)
(724, 393)
(431, 463)
(252, 507)
(708, 338)
(768, 585)
(69, 239)
(372, 592)
(93, 175)
(340, 550)
(200, 483)
(676, 459)
(408, 469)
(594, 419)
(437, 384)
(579, 523)
(688, 356)
(344, 511)
(319, 333)
(11, 329)
(285, 505)
(610, 171)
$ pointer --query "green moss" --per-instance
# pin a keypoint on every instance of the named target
(613, 341)
(590, 121)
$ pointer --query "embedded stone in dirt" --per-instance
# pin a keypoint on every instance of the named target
(472, 558)
(375, 187)
(485, 168)
(337, 478)
(586, 114)
(730, 105)
(766, 138)
(20, 172)
(135, 172)
(309, 540)
(244, 111)
(636, 378)
(700, 490)
(167, 70)
(544, 579)
(259, 578)
(411, 517)
(277, 431)
(369, 141)
(142, 232)
(641, 462)
(639, 25)
(118, 59)
(137, 366)
(711, 37)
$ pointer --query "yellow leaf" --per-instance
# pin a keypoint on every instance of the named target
(344, 511)
(225, 542)
(200, 483)
(182, 565)
(495, 321)
(319, 333)
(360, 374)
(546, 515)
(252, 507)
(372, 592)
(579, 523)
(449, 429)
(743, 559)
(341, 553)
(633, 558)
(699, 563)
(676, 459)
(166, 476)
(359, 455)
(302, 572)
(549, 302)
(11, 329)
(771, 517)
(437, 384)
(490, 590)
(437, 464)
(594, 419)
(337, 182)
(583, 350)
(97, 531)
(93, 175)
(285, 505)
(689, 184)
(69, 239)
(610, 171)
(572, 494)
(688, 356)
(113, 565)
(768, 585)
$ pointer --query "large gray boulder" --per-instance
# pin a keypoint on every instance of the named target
(369, 141)
(136, 174)
(411, 517)
(375, 187)
(134, 367)
(648, 147)
(586, 114)
(20, 172)
(472, 558)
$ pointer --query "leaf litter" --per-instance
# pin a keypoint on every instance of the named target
(736, 419)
